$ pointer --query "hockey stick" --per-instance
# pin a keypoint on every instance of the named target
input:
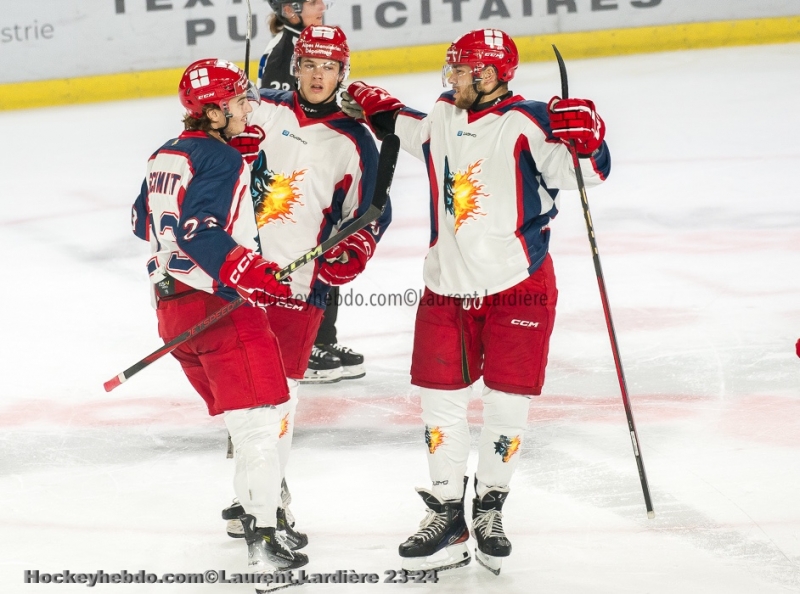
(604, 298)
(247, 40)
(386, 164)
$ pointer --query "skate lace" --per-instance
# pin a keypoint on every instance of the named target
(430, 526)
(343, 349)
(490, 524)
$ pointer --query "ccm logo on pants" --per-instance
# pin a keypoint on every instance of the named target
(525, 323)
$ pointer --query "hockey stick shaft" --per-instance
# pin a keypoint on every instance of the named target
(637, 452)
(386, 164)
(248, 32)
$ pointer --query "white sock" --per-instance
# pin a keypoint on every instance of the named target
(257, 481)
(287, 411)
(505, 418)
(444, 413)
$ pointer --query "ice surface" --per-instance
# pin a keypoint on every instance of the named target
(699, 234)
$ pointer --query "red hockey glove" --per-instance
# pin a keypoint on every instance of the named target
(797, 348)
(372, 100)
(576, 119)
(248, 142)
(253, 277)
(346, 260)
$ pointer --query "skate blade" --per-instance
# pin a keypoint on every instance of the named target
(493, 564)
(353, 372)
(448, 558)
(275, 588)
(322, 377)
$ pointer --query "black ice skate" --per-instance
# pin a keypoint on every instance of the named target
(231, 515)
(294, 539)
(441, 541)
(487, 527)
(267, 550)
(285, 520)
(323, 367)
(352, 362)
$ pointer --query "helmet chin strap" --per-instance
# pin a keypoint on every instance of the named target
(480, 94)
(228, 118)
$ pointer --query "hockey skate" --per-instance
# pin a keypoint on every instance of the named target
(352, 362)
(323, 367)
(441, 541)
(267, 549)
(285, 520)
(487, 527)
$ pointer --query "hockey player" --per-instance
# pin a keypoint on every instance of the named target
(195, 210)
(329, 361)
(288, 19)
(313, 172)
(495, 163)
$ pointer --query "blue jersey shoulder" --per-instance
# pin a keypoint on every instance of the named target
(536, 110)
(277, 97)
(205, 152)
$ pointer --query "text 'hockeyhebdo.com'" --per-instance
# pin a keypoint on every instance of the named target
(414, 297)
(214, 576)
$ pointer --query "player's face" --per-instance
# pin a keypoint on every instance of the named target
(238, 107)
(313, 11)
(461, 80)
(318, 79)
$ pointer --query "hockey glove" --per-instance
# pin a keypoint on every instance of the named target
(248, 143)
(253, 277)
(346, 260)
(797, 347)
(576, 119)
(377, 107)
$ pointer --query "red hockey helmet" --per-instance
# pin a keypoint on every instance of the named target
(212, 81)
(323, 42)
(481, 48)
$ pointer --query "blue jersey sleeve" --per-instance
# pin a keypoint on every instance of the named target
(207, 208)
(140, 215)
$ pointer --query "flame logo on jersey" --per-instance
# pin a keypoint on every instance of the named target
(284, 426)
(461, 193)
(274, 194)
(506, 447)
(434, 438)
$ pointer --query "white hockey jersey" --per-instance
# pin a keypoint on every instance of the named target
(194, 208)
(494, 180)
(313, 175)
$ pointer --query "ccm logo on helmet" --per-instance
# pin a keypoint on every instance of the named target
(525, 323)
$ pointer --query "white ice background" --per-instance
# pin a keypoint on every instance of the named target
(699, 233)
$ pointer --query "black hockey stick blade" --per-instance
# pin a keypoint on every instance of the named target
(380, 196)
(562, 68)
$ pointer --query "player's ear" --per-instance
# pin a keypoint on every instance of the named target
(489, 75)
